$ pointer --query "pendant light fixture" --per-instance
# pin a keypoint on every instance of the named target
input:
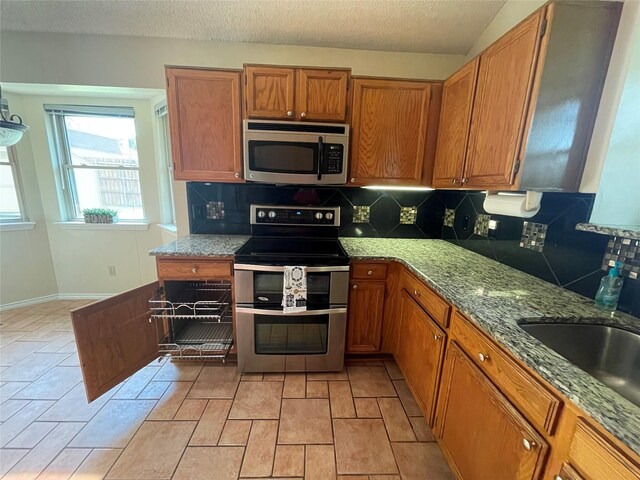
(11, 126)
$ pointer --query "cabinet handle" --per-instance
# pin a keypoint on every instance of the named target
(194, 269)
(557, 477)
(289, 113)
(482, 357)
(416, 293)
(237, 175)
(454, 181)
(353, 179)
(370, 272)
(465, 180)
(437, 337)
(355, 287)
(303, 114)
(528, 444)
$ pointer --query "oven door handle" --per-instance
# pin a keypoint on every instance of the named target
(320, 157)
(280, 313)
(276, 268)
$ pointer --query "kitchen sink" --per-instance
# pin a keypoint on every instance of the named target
(610, 354)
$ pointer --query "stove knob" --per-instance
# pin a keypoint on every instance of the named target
(272, 214)
(328, 216)
(261, 214)
(318, 216)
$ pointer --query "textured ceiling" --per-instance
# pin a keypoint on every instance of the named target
(428, 26)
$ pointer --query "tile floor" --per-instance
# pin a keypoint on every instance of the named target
(199, 421)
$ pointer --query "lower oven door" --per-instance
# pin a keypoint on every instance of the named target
(273, 341)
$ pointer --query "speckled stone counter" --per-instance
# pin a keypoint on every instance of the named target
(202, 246)
(612, 230)
(497, 297)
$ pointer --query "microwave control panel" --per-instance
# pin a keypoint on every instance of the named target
(333, 158)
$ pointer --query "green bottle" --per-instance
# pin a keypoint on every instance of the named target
(610, 287)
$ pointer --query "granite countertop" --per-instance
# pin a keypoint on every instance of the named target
(613, 230)
(202, 246)
(497, 297)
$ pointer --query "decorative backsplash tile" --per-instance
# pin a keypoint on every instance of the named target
(215, 210)
(481, 226)
(625, 251)
(408, 215)
(361, 213)
(449, 217)
(533, 236)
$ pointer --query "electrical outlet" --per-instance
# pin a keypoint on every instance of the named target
(112, 270)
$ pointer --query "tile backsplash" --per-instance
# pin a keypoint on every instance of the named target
(547, 245)
(552, 249)
(224, 208)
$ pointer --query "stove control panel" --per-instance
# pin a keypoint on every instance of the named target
(292, 215)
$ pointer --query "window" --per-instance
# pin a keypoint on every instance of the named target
(165, 164)
(98, 159)
(11, 209)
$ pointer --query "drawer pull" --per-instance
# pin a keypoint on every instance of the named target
(194, 270)
(528, 444)
(416, 293)
(557, 477)
(437, 337)
(482, 357)
(370, 272)
(355, 287)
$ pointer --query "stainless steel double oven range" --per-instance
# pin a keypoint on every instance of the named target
(269, 340)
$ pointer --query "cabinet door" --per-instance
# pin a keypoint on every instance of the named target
(205, 119)
(455, 121)
(419, 353)
(115, 338)
(480, 431)
(270, 92)
(321, 95)
(500, 107)
(389, 131)
(366, 307)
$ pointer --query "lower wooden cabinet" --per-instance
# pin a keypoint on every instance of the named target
(366, 307)
(419, 354)
(480, 432)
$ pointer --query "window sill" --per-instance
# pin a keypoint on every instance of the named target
(169, 227)
(102, 226)
(14, 226)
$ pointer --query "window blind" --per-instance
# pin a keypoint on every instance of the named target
(89, 110)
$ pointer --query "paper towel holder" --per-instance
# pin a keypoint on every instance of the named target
(528, 207)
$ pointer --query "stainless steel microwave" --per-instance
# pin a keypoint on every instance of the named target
(296, 153)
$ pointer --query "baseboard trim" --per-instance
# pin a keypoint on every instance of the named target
(55, 296)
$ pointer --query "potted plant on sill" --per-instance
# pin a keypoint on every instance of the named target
(100, 215)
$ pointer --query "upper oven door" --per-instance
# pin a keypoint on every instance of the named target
(261, 285)
(295, 153)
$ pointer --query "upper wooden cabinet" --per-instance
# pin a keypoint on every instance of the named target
(531, 109)
(500, 107)
(305, 94)
(394, 126)
(205, 121)
(453, 132)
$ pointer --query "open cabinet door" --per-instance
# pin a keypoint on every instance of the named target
(115, 338)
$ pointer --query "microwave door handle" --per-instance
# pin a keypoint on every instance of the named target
(320, 157)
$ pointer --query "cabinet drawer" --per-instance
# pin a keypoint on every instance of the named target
(187, 269)
(373, 271)
(538, 404)
(435, 306)
(595, 458)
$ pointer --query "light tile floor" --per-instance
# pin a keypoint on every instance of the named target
(199, 421)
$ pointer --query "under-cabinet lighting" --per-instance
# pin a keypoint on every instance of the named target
(391, 187)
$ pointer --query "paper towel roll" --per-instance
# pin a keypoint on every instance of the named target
(513, 205)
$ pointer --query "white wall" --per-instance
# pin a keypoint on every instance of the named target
(75, 59)
(618, 197)
(26, 264)
(80, 257)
